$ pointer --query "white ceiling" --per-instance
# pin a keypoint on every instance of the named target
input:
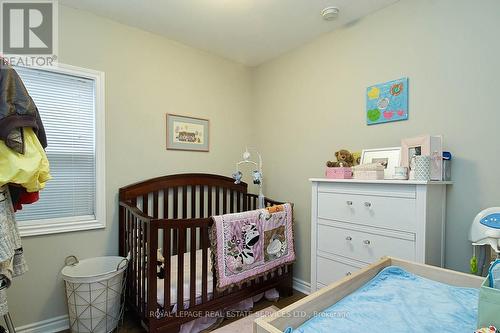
(247, 31)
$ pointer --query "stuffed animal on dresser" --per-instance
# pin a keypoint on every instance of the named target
(344, 159)
(357, 158)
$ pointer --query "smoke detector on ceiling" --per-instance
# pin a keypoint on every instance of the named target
(330, 13)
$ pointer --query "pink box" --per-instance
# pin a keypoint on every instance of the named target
(338, 173)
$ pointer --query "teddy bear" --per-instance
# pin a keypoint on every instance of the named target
(344, 159)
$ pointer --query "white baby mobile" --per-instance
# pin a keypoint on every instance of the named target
(256, 174)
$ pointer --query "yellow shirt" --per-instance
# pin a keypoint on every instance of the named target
(30, 170)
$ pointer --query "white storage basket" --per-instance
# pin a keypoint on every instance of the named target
(94, 290)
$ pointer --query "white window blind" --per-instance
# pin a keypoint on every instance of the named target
(67, 107)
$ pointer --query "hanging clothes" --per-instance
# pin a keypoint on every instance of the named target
(24, 198)
(24, 170)
(6, 270)
(12, 262)
(17, 110)
(30, 170)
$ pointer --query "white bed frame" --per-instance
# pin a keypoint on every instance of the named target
(299, 312)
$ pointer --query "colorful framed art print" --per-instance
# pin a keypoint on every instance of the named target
(387, 102)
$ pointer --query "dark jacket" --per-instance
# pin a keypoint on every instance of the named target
(17, 110)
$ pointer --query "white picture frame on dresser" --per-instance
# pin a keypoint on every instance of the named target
(356, 222)
(390, 158)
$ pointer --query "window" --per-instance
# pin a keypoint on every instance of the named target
(70, 102)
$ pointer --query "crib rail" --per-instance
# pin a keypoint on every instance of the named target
(253, 201)
(136, 228)
(173, 213)
(193, 237)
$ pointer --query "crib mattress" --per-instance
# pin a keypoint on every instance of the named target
(186, 283)
(399, 301)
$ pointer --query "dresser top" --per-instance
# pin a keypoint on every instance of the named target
(385, 181)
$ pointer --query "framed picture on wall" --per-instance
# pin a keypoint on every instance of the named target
(387, 102)
(388, 157)
(187, 133)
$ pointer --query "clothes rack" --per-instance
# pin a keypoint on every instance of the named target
(8, 322)
(22, 138)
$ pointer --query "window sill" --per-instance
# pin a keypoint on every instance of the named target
(57, 226)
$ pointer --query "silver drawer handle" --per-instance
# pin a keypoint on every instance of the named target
(367, 242)
(348, 274)
(348, 238)
(349, 203)
(368, 204)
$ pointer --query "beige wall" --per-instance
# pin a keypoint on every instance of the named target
(146, 76)
(310, 103)
(307, 103)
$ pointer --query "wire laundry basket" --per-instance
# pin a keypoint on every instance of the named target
(95, 290)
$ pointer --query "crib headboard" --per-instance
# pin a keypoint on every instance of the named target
(193, 195)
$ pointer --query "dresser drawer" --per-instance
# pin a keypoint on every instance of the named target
(329, 270)
(367, 246)
(396, 213)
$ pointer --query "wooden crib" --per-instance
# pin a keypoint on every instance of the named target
(174, 213)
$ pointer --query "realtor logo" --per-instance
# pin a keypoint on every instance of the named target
(29, 28)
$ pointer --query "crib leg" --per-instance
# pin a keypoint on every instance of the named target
(286, 287)
(176, 328)
(285, 291)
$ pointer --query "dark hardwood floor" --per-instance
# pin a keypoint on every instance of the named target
(130, 326)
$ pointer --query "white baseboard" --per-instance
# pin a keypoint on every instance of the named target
(52, 325)
(302, 286)
(61, 323)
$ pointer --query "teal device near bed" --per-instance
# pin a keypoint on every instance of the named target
(494, 274)
(485, 229)
(491, 221)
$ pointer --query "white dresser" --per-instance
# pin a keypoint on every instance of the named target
(355, 223)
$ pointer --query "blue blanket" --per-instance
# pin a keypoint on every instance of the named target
(398, 301)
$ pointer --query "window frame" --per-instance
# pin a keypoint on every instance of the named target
(89, 222)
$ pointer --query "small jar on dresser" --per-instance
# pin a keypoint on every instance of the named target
(356, 222)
